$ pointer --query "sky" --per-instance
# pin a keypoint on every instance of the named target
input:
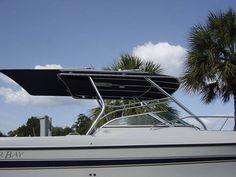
(86, 33)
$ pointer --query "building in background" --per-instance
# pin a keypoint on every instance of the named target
(45, 126)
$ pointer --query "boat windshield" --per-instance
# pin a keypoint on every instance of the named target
(171, 119)
(147, 119)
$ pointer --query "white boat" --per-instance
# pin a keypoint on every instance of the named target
(154, 143)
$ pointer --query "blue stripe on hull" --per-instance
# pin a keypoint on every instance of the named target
(83, 163)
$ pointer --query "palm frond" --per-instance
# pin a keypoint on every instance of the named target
(129, 62)
(211, 65)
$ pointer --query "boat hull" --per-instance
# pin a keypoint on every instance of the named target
(182, 160)
(213, 169)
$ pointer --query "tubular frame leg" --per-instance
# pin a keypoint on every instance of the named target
(176, 101)
(102, 105)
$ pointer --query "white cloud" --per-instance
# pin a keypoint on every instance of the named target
(6, 79)
(17, 95)
(21, 97)
(48, 66)
(170, 57)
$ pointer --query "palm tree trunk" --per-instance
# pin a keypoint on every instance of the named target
(235, 111)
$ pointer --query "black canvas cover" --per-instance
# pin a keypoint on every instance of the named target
(76, 83)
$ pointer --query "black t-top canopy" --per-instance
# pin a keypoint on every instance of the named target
(110, 84)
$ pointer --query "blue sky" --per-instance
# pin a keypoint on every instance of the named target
(76, 33)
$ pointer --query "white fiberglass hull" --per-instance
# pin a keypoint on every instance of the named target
(226, 169)
(193, 154)
(178, 161)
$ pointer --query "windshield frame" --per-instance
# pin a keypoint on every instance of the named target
(162, 122)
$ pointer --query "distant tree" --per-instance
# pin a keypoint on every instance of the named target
(59, 131)
(1, 134)
(33, 125)
(67, 130)
(211, 63)
(20, 131)
(82, 124)
(32, 128)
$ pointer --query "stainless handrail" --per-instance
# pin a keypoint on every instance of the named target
(176, 101)
(212, 117)
(101, 103)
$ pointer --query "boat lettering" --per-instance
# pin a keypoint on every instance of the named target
(11, 155)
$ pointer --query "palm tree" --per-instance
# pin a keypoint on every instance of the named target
(211, 64)
(129, 62)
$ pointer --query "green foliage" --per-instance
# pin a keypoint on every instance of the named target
(2, 135)
(32, 128)
(211, 65)
(59, 131)
(129, 62)
(82, 124)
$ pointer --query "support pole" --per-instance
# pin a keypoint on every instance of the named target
(176, 101)
(102, 105)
